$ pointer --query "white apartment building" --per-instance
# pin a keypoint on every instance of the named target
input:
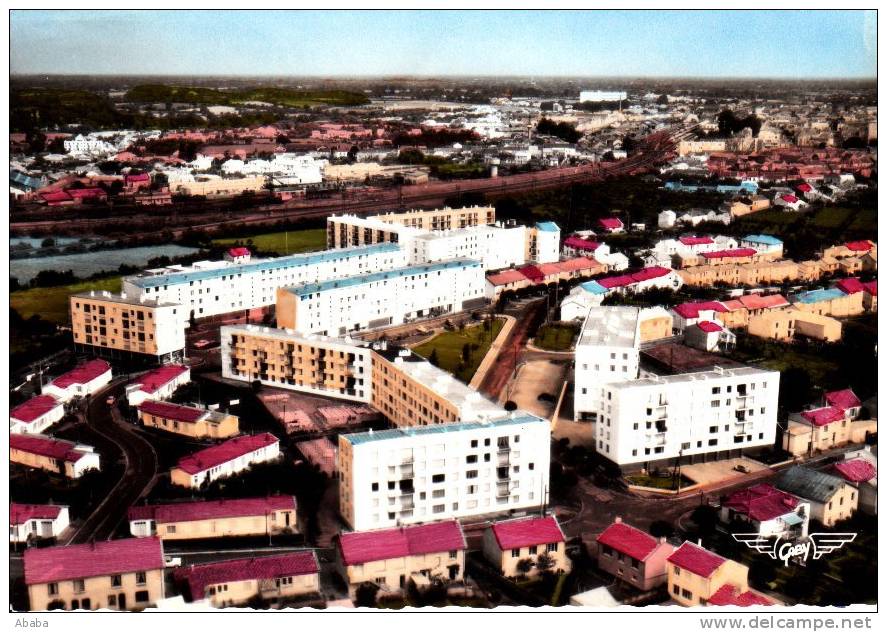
(658, 418)
(665, 249)
(88, 145)
(295, 168)
(379, 299)
(595, 96)
(36, 521)
(545, 242)
(423, 474)
(210, 288)
(496, 247)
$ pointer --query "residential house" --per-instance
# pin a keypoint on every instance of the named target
(86, 379)
(226, 459)
(831, 498)
(766, 511)
(36, 415)
(698, 577)
(157, 384)
(510, 544)
(860, 469)
(197, 423)
(633, 556)
(56, 456)
(38, 522)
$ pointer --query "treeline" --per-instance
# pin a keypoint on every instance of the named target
(564, 131)
(436, 137)
(161, 93)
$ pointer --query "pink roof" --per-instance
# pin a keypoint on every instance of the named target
(505, 277)
(709, 327)
(79, 561)
(823, 416)
(89, 192)
(239, 252)
(610, 223)
(83, 374)
(791, 199)
(649, 273)
(804, 188)
(843, 399)
(20, 514)
(856, 470)
(360, 547)
(696, 241)
(576, 264)
(735, 252)
(200, 576)
(628, 540)
(549, 268)
(151, 381)
(850, 286)
(224, 452)
(34, 408)
(729, 595)
(212, 509)
(859, 246)
(532, 272)
(616, 281)
(871, 287)
(691, 310)
(515, 534)
(172, 411)
(45, 446)
(55, 196)
(761, 502)
(695, 559)
(756, 301)
(138, 177)
(581, 244)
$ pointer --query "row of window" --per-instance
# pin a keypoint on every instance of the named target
(551, 547)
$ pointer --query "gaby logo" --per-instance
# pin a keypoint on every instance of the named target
(817, 544)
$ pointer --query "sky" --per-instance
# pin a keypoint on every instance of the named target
(790, 44)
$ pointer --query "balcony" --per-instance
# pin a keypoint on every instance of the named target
(504, 458)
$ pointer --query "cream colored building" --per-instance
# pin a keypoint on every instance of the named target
(831, 498)
(223, 186)
(509, 544)
(197, 423)
(698, 577)
(342, 232)
(391, 558)
(116, 574)
(272, 579)
(57, 456)
(225, 459)
(785, 324)
(831, 302)
(117, 325)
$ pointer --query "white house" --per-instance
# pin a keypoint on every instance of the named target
(36, 521)
(768, 512)
(157, 384)
(36, 415)
(789, 202)
(86, 379)
(225, 459)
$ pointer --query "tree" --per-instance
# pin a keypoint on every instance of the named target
(544, 562)
(365, 595)
(509, 406)
(524, 565)
(661, 529)
(433, 359)
(49, 242)
(466, 352)
(706, 520)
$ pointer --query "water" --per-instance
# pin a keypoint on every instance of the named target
(86, 264)
(34, 242)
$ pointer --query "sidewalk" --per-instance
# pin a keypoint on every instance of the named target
(493, 352)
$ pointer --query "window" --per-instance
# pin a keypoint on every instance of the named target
(515, 552)
(53, 589)
(438, 478)
(438, 508)
(454, 554)
(141, 578)
(677, 571)
(79, 586)
(471, 458)
(170, 528)
(375, 487)
(551, 547)
(471, 474)
(112, 600)
(533, 550)
(474, 443)
(676, 589)
(686, 594)
(116, 581)
(141, 596)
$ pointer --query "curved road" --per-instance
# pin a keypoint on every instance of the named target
(140, 467)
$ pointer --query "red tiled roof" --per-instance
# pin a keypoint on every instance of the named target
(515, 534)
(45, 446)
(78, 561)
(756, 301)
(505, 277)
(172, 411)
(210, 509)
(224, 452)
(532, 272)
(696, 241)
(871, 287)
(691, 310)
(360, 547)
(709, 327)
(82, 374)
(34, 408)
(581, 244)
(239, 252)
(89, 192)
(628, 540)
(153, 380)
(649, 273)
(844, 399)
(729, 595)
(735, 252)
(616, 281)
(856, 470)
(576, 264)
(56, 196)
(859, 246)
(804, 188)
(20, 514)
(761, 502)
(138, 177)
(851, 285)
(610, 223)
(200, 576)
(549, 269)
(695, 559)
(823, 416)
(791, 199)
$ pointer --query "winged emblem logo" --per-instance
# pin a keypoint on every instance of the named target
(815, 544)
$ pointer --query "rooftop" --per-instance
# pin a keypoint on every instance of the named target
(173, 411)
(845, 399)
(615, 326)
(34, 408)
(82, 374)
(224, 452)
(47, 446)
(676, 358)
(123, 299)
(153, 380)
(549, 227)
(200, 576)
(421, 431)
(823, 416)
(709, 327)
(696, 559)
(730, 254)
(850, 286)
(628, 540)
(763, 239)
(581, 244)
(20, 514)
(856, 470)
(729, 595)
(79, 561)
(521, 532)
(212, 509)
(816, 296)
(761, 502)
(809, 484)
(385, 544)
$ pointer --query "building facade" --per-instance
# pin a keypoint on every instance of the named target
(225, 459)
(57, 456)
(197, 423)
(526, 546)
(36, 522)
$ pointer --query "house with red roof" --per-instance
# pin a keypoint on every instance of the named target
(157, 384)
(698, 577)
(36, 522)
(225, 459)
(197, 423)
(633, 556)
(391, 558)
(710, 335)
(273, 579)
(239, 254)
(36, 415)
(829, 425)
(860, 469)
(204, 519)
(767, 511)
(789, 202)
(845, 399)
(611, 225)
(870, 297)
(85, 379)
(527, 546)
(56, 456)
(115, 574)
(687, 314)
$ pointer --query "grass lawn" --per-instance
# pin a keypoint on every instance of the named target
(283, 243)
(657, 482)
(51, 303)
(865, 220)
(817, 365)
(831, 217)
(449, 344)
(555, 337)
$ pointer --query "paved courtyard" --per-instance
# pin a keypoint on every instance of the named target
(718, 471)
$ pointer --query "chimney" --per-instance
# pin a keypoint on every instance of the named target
(618, 520)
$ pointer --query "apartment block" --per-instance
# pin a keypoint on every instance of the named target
(125, 325)
(380, 299)
(196, 520)
(346, 231)
(210, 288)
(786, 324)
(225, 459)
(830, 302)
(510, 544)
(456, 470)
(391, 558)
(57, 456)
(116, 574)
(196, 423)
(306, 363)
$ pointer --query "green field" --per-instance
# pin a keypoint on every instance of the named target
(51, 303)
(658, 482)
(555, 337)
(832, 217)
(283, 243)
(449, 344)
